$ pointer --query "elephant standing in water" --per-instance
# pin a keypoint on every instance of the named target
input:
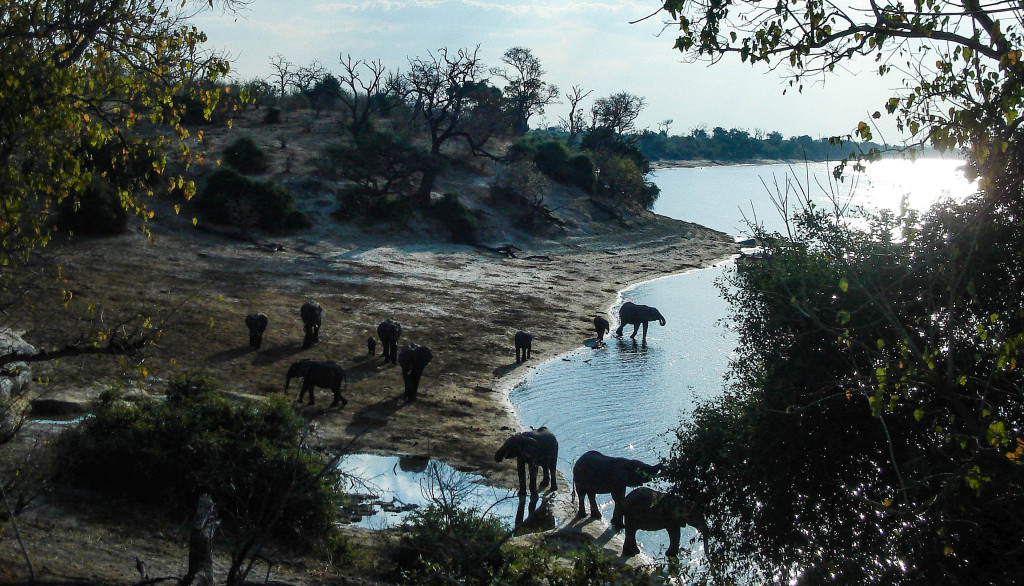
(594, 473)
(310, 314)
(413, 360)
(647, 509)
(524, 346)
(325, 374)
(257, 324)
(389, 331)
(537, 447)
(602, 327)
(631, 313)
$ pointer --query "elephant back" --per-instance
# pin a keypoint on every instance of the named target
(256, 321)
(310, 312)
(547, 454)
(389, 330)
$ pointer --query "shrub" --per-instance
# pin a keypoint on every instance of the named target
(439, 542)
(233, 199)
(459, 219)
(245, 156)
(552, 158)
(273, 116)
(250, 458)
(97, 211)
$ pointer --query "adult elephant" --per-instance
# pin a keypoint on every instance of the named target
(310, 312)
(325, 374)
(594, 474)
(524, 346)
(413, 359)
(631, 313)
(533, 449)
(389, 331)
(647, 509)
(602, 327)
(257, 324)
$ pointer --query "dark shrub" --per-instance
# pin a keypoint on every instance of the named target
(356, 202)
(233, 199)
(457, 218)
(581, 173)
(250, 458)
(552, 158)
(441, 541)
(273, 116)
(97, 211)
(245, 156)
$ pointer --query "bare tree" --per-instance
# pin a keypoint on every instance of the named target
(574, 124)
(526, 93)
(304, 78)
(665, 125)
(283, 73)
(450, 91)
(363, 80)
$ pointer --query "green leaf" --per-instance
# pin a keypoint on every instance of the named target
(844, 285)
(918, 414)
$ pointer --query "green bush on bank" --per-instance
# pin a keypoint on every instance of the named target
(245, 156)
(233, 199)
(250, 458)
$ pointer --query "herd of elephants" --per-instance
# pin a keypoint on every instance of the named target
(593, 473)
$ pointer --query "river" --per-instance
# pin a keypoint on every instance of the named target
(624, 400)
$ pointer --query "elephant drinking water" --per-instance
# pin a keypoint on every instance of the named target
(534, 448)
(594, 473)
(631, 313)
(647, 509)
(325, 374)
(602, 327)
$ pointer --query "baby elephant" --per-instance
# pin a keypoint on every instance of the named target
(647, 509)
(524, 343)
(602, 327)
(310, 312)
(371, 346)
(257, 324)
(594, 473)
(537, 447)
(325, 374)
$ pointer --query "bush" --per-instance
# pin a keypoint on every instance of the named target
(459, 219)
(233, 199)
(250, 458)
(245, 156)
(273, 116)
(439, 542)
(97, 211)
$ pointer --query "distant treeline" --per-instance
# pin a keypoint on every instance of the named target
(740, 145)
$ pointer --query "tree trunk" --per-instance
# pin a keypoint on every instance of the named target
(200, 544)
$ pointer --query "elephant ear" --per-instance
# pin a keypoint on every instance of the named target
(528, 447)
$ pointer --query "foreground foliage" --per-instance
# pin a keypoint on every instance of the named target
(873, 428)
(252, 459)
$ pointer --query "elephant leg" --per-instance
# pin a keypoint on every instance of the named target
(645, 334)
(544, 480)
(595, 513)
(336, 389)
(518, 360)
(307, 385)
(618, 331)
(629, 546)
(617, 497)
(522, 476)
(635, 328)
(533, 479)
(673, 541)
(553, 475)
(412, 385)
(529, 352)
(582, 512)
(394, 352)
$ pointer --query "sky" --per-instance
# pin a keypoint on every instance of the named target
(589, 43)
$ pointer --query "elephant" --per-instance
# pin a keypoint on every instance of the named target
(257, 324)
(647, 509)
(537, 447)
(310, 313)
(524, 346)
(389, 331)
(371, 346)
(594, 473)
(325, 374)
(602, 327)
(631, 313)
(413, 360)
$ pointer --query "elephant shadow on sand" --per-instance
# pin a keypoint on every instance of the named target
(375, 415)
(275, 354)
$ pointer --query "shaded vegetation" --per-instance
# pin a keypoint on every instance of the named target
(233, 199)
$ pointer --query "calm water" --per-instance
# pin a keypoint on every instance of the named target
(623, 400)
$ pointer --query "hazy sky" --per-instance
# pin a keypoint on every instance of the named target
(589, 43)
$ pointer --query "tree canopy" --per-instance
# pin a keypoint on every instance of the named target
(959, 62)
(76, 76)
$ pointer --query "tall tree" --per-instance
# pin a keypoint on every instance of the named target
(284, 73)
(574, 124)
(618, 112)
(450, 90)
(363, 81)
(526, 93)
